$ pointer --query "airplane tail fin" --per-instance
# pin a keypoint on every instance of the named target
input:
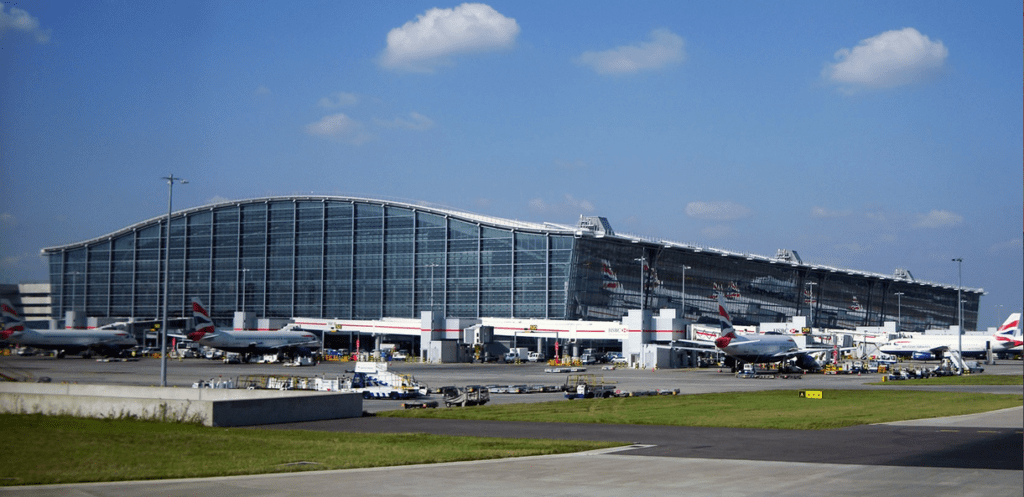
(1011, 323)
(1010, 331)
(728, 332)
(12, 322)
(203, 322)
(723, 316)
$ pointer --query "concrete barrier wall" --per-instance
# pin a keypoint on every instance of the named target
(210, 406)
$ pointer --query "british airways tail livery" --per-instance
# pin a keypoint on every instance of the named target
(1006, 340)
(761, 348)
(245, 342)
(1008, 336)
(105, 342)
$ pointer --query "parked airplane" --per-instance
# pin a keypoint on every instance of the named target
(245, 342)
(762, 348)
(931, 347)
(105, 342)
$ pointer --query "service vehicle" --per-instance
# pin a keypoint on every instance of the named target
(472, 395)
(517, 354)
(375, 381)
(588, 386)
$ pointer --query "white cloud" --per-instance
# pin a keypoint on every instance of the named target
(261, 90)
(823, 213)
(939, 219)
(570, 205)
(416, 122)
(339, 127)
(1012, 245)
(429, 41)
(717, 211)
(8, 220)
(340, 99)
(580, 204)
(893, 58)
(20, 20)
(665, 48)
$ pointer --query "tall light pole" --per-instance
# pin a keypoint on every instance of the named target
(810, 305)
(899, 311)
(960, 309)
(642, 261)
(167, 273)
(684, 290)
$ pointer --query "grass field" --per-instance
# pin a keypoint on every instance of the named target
(60, 449)
(775, 409)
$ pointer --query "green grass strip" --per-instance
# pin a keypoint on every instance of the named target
(967, 379)
(61, 449)
(775, 409)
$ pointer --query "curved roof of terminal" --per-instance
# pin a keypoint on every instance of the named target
(585, 228)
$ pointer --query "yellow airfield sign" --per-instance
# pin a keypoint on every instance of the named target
(810, 394)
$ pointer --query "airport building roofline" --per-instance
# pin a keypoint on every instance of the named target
(588, 226)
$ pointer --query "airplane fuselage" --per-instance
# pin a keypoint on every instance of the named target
(760, 348)
(257, 342)
(923, 346)
(74, 341)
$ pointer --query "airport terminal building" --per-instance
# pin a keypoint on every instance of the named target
(361, 258)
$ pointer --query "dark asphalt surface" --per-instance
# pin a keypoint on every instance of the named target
(883, 445)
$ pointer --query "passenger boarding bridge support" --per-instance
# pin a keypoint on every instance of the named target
(648, 344)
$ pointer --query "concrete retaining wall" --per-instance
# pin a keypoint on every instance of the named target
(211, 406)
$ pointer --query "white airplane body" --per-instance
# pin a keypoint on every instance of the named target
(757, 348)
(1007, 338)
(245, 342)
(105, 342)
(762, 348)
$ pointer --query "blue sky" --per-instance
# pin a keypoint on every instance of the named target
(866, 135)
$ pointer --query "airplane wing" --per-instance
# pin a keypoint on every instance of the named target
(292, 345)
(107, 341)
(694, 345)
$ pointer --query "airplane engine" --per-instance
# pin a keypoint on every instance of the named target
(923, 356)
(807, 363)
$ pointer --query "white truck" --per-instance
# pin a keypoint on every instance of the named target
(520, 354)
(374, 381)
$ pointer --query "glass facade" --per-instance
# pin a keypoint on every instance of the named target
(756, 290)
(325, 257)
(339, 257)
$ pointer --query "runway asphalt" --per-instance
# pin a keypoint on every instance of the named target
(981, 454)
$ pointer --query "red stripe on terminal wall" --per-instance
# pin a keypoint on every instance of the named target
(364, 327)
(552, 330)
